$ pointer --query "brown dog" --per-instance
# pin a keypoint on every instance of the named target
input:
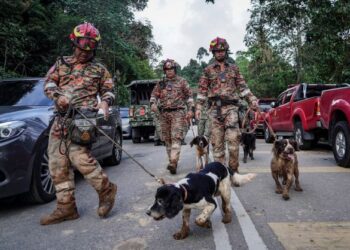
(284, 164)
(202, 151)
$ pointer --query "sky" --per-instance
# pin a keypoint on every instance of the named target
(181, 27)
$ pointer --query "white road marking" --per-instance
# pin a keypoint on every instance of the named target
(221, 238)
(251, 235)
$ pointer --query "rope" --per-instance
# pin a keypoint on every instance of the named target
(160, 180)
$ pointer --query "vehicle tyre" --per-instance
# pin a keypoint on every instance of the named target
(299, 137)
(267, 135)
(135, 135)
(146, 137)
(341, 144)
(42, 189)
(117, 153)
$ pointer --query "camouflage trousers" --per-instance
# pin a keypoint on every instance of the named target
(61, 167)
(157, 129)
(172, 127)
(204, 128)
(225, 129)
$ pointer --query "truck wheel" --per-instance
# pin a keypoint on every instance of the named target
(341, 144)
(136, 138)
(116, 156)
(267, 135)
(299, 137)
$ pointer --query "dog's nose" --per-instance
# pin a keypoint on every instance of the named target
(148, 212)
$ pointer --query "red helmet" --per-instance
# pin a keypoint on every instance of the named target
(85, 36)
(218, 44)
(169, 64)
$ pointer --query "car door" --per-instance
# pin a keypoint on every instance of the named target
(108, 127)
(286, 111)
(277, 113)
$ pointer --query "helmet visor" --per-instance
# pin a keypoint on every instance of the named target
(85, 43)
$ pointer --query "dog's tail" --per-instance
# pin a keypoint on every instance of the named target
(240, 179)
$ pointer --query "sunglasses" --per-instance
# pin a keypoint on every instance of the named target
(87, 43)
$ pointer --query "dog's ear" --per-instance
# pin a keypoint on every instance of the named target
(294, 144)
(175, 205)
(278, 146)
(194, 141)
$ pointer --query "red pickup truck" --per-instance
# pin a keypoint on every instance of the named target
(335, 117)
(297, 113)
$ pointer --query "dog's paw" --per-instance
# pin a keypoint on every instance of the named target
(285, 196)
(299, 189)
(205, 224)
(227, 218)
(182, 234)
(278, 191)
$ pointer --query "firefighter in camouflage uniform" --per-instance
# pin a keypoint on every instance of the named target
(172, 95)
(222, 85)
(77, 79)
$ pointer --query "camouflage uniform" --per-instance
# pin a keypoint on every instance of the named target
(81, 83)
(228, 86)
(203, 124)
(172, 96)
(157, 130)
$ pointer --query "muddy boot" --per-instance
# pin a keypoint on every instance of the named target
(106, 199)
(172, 168)
(64, 211)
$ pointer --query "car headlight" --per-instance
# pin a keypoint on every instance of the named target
(11, 129)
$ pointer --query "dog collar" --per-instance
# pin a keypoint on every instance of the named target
(185, 191)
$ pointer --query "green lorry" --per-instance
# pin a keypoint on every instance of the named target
(140, 115)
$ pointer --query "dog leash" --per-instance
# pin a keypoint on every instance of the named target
(245, 119)
(159, 180)
(191, 125)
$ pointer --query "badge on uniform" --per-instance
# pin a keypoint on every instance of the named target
(169, 86)
(222, 76)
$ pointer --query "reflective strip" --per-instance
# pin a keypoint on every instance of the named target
(245, 92)
(109, 94)
(50, 85)
(64, 186)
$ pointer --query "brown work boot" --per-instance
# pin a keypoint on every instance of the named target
(106, 199)
(172, 168)
(64, 211)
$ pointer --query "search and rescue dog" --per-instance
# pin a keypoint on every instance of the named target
(248, 143)
(284, 164)
(197, 190)
(202, 151)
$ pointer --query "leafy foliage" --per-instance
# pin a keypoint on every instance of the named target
(35, 32)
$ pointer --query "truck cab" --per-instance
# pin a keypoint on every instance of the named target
(140, 115)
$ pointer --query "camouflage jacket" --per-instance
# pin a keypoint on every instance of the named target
(228, 85)
(172, 94)
(81, 83)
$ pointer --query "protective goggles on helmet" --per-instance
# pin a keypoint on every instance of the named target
(86, 43)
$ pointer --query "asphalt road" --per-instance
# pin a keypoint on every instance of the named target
(317, 218)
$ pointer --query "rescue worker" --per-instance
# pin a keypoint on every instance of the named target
(222, 85)
(172, 94)
(77, 79)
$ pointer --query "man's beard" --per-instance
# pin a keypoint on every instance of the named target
(220, 59)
